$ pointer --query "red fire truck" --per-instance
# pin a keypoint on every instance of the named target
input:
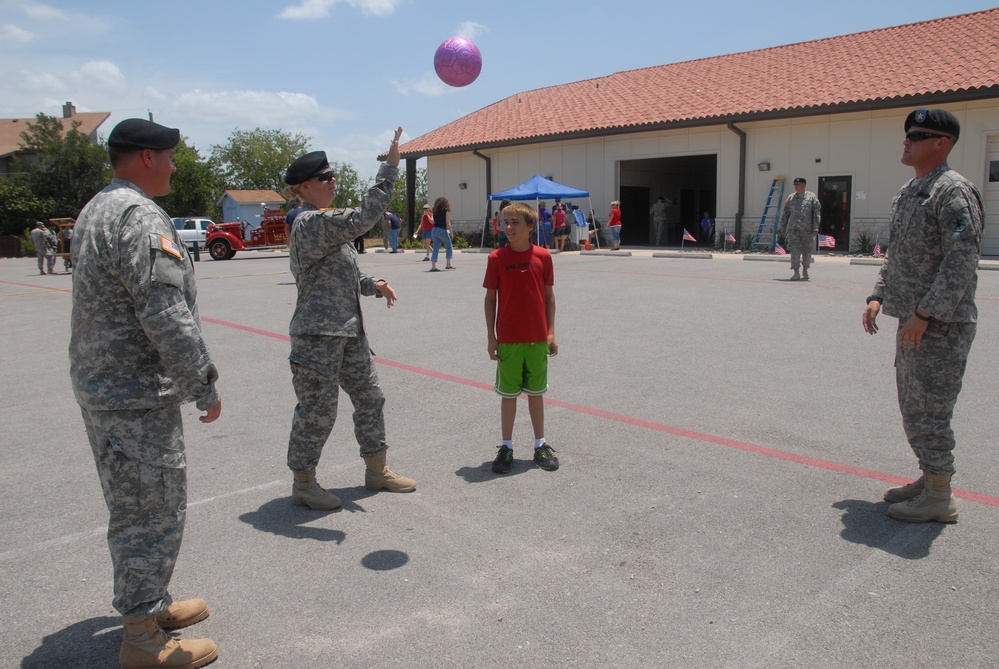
(224, 239)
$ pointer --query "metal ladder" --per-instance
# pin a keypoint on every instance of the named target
(766, 233)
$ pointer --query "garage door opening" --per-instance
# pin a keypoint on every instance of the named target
(687, 182)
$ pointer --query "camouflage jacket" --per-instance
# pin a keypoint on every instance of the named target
(324, 262)
(136, 337)
(39, 239)
(801, 212)
(935, 242)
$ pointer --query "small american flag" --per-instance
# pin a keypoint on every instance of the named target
(729, 237)
(877, 247)
(779, 250)
(689, 237)
(827, 241)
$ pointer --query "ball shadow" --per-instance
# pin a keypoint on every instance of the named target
(384, 560)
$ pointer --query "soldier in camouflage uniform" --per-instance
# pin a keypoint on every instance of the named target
(928, 282)
(40, 240)
(799, 225)
(329, 348)
(136, 354)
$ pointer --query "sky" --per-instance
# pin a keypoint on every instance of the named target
(345, 73)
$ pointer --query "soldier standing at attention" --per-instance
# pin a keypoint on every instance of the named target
(658, 214)
(799, 225)
(329, 348)
(136, 354)
(39, 239)
(928, 282)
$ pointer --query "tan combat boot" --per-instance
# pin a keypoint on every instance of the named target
(306, 491)
(182, 614)
(795, 276)
(377, 476)
(905, 492)
(146, 646)
(935, 502)
(804, 274)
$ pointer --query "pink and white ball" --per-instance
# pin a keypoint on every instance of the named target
(458, 62)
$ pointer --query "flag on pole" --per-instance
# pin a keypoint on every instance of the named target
(779, 250)
(729, 237)
(877, 247)
(689, 237)
(827, 241)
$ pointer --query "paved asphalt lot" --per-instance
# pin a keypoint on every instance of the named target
(725, 438)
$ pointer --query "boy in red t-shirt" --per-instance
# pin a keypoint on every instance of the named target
(520, 319)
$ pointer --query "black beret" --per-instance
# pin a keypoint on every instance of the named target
(940, 120)
(306, 167)
(800, 180)
(136, 133)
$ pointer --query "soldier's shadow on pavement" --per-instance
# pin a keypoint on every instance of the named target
(868, 523)
(83, 645)
(484, 472)
(281, 517)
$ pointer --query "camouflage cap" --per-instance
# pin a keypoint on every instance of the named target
(940, 120)
(306, 167)
(136, 133)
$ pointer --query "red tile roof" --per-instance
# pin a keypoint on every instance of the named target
(244, 196)
(11, 128)
(883, 68)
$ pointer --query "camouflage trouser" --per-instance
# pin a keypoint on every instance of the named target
(320, 366)
(799, 245)
(929, 380)
(46, 260)
(143, 472)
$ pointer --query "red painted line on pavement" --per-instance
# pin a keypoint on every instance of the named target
(246, 328)
(32, 285)
(746, 447)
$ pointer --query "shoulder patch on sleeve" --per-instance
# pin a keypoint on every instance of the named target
(168, 245)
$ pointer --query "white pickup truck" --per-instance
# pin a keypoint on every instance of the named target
(192, 230)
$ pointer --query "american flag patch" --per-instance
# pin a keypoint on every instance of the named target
(167, 245)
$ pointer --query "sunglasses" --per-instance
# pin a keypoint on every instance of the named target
(326, 177)
(920, 135)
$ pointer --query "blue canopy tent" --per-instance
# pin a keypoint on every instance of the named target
(538, 188)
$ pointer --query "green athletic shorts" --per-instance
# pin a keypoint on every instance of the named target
(522, 368)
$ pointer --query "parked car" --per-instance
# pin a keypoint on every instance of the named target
(192, 230)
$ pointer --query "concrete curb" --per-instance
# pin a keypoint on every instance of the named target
(693, 256)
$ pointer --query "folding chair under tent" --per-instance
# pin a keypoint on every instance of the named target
(538, 188)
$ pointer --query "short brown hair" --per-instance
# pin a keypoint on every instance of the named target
(527, 213)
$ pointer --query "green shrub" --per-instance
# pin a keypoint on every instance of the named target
(27, 248)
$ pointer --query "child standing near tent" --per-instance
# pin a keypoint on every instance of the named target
(520, 320)
(545, 230)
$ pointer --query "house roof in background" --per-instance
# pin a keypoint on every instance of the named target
(950, 58)
(251, 196)
(11, 128)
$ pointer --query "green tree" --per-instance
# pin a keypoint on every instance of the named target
(398, 204)
(19, 207)
(195, 187)
(257, 159)
(350, 187)
(62, 168)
